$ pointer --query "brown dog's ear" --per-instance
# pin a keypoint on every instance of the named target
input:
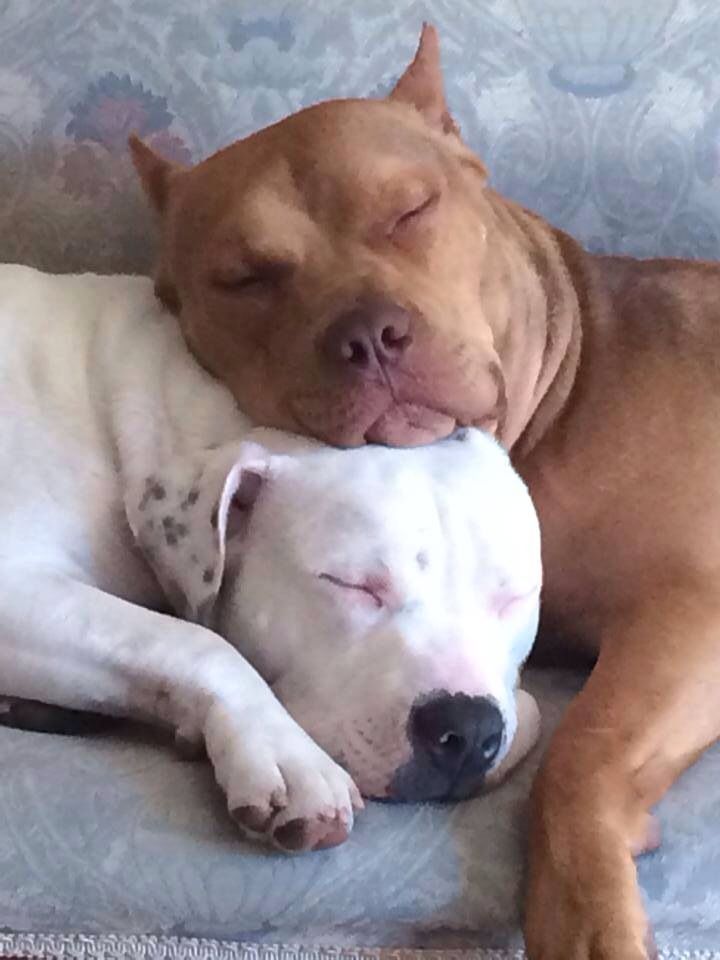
(422, 83)
(155, 172)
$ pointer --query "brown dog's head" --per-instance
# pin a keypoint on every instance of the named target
(346, 271)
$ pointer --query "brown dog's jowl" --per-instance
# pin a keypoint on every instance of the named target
(349, 273)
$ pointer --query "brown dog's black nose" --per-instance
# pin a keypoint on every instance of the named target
(373, 332)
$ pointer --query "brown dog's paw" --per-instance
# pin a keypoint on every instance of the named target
(650, 945)
(650, 836)
(586, 906)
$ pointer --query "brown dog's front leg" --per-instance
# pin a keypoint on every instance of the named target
(648, 710)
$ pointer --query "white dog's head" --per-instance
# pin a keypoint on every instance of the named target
(389, 596)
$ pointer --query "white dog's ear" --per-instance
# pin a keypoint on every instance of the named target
(183, 514)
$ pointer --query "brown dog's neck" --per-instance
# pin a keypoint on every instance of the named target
(546, 339)
(564, 325)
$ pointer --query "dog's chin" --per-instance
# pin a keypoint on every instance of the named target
(410, 425)
(400, 425)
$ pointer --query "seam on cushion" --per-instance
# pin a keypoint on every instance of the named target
(41, 946)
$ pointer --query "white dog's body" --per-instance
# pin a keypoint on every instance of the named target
(357, 582)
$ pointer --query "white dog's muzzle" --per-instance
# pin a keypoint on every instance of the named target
(389, 596)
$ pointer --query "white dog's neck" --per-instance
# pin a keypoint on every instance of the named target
(164, 405)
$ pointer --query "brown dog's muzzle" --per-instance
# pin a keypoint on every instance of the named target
(372, 351)
(367, 338)
(388, 376)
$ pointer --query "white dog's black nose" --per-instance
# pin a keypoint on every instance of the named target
(455, 739)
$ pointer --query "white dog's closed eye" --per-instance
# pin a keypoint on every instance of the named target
(375, 588)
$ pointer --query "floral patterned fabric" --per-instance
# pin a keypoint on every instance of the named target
(602, 114)
(114, 835)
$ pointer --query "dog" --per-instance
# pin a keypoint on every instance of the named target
(349, 274)
(270, 599)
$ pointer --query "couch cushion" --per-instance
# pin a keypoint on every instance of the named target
(114, 834)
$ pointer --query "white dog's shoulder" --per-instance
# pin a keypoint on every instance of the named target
(98, 387)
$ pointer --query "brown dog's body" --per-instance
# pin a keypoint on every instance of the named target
(348, 274)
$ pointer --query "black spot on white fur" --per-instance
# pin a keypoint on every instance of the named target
(174, 531)
(153, 491)
(190, 500)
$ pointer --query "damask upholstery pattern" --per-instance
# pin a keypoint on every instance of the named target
(602, 114)
(113, 835)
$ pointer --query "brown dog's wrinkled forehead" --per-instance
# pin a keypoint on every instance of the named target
(339, 131)
(323, 159)
(362, 142)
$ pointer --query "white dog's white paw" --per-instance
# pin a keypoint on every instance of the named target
(280, 786)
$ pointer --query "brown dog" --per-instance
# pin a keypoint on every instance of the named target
(349, 274)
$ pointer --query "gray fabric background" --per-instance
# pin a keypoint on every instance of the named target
(602, 114)
(115, 835)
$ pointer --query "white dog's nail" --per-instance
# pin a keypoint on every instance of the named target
(255, 820)
(300, 834)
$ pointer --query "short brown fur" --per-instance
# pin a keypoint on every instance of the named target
(602, 375)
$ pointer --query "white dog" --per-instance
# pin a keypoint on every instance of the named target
(386, 598)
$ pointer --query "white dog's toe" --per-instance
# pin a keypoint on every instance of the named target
(343, 788)
(322, 800)
(280, 785)
(297, 834)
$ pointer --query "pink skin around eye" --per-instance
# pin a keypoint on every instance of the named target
(377, 587)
